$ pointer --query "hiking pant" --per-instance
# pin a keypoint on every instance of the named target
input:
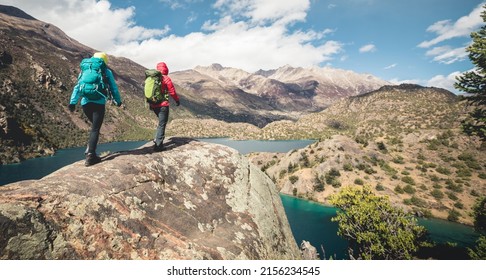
(163, 115)
(96, 114)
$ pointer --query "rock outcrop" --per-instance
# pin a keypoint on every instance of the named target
(194, 200)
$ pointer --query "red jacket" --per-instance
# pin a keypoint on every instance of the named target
(166, 85)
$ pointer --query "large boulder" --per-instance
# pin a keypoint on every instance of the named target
(193, 201)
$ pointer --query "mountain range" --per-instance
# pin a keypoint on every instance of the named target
(266, 96)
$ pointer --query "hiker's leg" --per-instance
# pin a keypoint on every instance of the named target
(163, 115)
(156, 112)
(96, 114)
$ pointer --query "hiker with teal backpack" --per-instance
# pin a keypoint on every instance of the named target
(95, 86)
(158, 87)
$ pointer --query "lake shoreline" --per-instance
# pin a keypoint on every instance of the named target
(215, 140)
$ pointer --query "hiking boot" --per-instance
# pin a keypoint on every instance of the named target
(92, 159)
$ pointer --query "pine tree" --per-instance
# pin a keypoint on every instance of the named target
(479, 214)
(474, 82)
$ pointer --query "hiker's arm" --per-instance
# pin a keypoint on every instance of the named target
(113, 86)
(74, 95)
(171, 88)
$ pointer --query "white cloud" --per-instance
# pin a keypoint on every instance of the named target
(397, 81)
(179, 4)
(446, 29)
(174, 5)
(367, 48)
(94, 23)
(439, 81)
(264, 11)
(390, 66)
(191, 18)
(447, 55)
(235, 45)
(446, 82)
(249, 34)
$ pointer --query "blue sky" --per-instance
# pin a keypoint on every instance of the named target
(418, 41)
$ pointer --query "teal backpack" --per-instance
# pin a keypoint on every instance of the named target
(90, 80)
(153, 86)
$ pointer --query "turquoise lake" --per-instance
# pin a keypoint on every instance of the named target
(308, 220)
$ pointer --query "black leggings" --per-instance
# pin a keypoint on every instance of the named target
(96, 114)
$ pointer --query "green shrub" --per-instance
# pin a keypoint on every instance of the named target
(443, 170)
(438, 194)
(459, 205)
(376, 229)
(454, 215)
(398, 160)
(348, 167)
(390, 171)
(293, 179)
(469, 160)
(381, 146)
(452, 196)
(433, 145)
(336, 184)
(369, 170)
(409, 180)
(332, 175)
(453, 186)
(304, 159)
(409, 189)
(379, 187)
(360, 139)
(417, 201)
(359, 181)
(475, 193)
(463, 172)
(437, 186)
(434, 178)
(398, 189)
(319, 183)
(268, 165)
(291, 168)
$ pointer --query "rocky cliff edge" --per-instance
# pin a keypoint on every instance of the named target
(193, 201)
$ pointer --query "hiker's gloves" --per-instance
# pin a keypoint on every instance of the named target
(71, 107)
(118, 104)
(178, 103)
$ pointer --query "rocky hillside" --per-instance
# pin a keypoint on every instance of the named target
(193, 201)
(405, 141)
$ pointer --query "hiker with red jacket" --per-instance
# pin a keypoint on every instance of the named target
(161, 109)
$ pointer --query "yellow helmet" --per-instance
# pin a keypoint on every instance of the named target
(101, 55)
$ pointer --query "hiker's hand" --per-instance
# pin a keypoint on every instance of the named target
(71, 107)
(178, 103)
(118, 104)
